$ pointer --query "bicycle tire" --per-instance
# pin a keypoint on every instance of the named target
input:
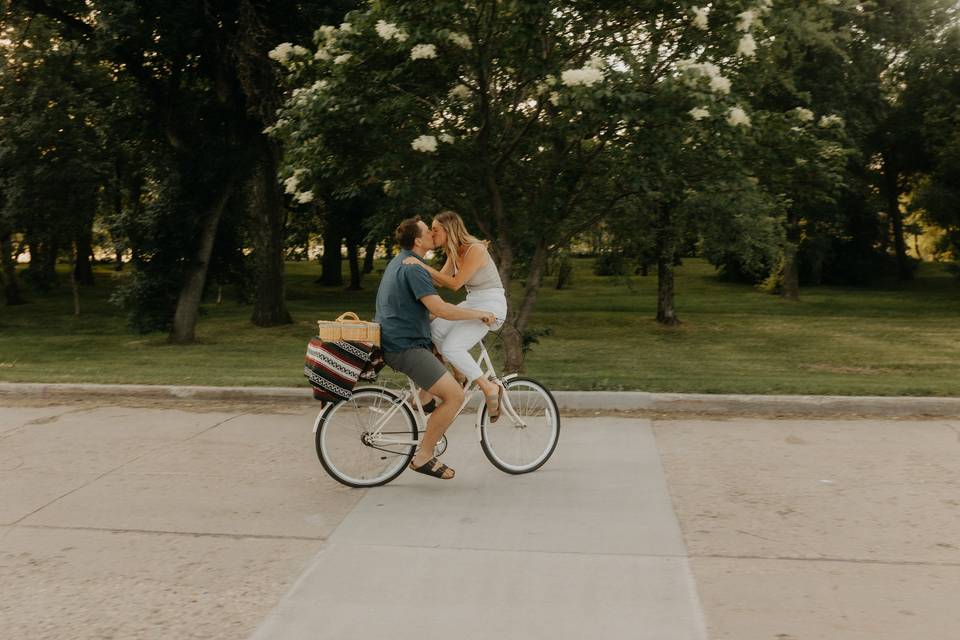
(495, 438)
(330, 423)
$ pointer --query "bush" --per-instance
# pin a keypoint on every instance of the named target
(532, 337)
(953, 268)
(149, 299)
(610, 264)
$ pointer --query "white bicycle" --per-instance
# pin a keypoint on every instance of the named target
(369, 440)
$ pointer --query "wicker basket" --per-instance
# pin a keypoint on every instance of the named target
(349, 327)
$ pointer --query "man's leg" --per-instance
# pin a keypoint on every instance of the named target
(447, 389)
(438, 332)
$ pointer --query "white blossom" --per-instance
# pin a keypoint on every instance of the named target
(389, 187)
(291, 184)
(304, 197)
(699, 113)
(745, 20)
(829, 121)
(343, 57)
(700, 17)
(462, 40)
(719, 84)
(737, 116)
(803, 115)
(281, 52)
(427, 144)
(747, 47)
(346, 27)
(322, 54)
(460, 92)
(390, 31)
(586, 76)
(596, 62)
(446, 138)
(423, 51)
(763, 7)
(299, 51)
(326, 32)
(554, 98)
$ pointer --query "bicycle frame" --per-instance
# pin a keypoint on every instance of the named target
(412, 398)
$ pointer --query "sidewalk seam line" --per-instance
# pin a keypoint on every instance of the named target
(194, 534)
(121, 466)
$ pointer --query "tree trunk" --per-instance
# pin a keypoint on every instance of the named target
(73, 280)
(332, 275)
(892, 193)
(353, 255)
(665, 239)
(83, 269)
(43, 263)
(791, 273)
(188, 302)
(518, 319)
(266, 202)
(11, 290)
(368, 254)
(666, 314)
(790, 288)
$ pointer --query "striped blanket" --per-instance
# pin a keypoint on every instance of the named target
(333, 368)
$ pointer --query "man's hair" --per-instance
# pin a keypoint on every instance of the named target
(407, 232)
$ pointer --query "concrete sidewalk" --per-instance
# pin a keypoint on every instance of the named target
(633, 401)
(119, 522)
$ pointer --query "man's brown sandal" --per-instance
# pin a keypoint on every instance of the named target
(435, 468)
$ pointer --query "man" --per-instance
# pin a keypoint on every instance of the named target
(405, 300)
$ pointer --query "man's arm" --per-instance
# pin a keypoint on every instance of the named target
(443, 309)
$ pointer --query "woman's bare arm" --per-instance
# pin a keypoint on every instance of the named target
(474, 259)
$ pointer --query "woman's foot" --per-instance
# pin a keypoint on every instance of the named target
(493, 398)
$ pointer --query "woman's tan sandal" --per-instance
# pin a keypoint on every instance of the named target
(493, 404)
(435, 468)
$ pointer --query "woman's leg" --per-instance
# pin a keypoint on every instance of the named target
(456, 345)
(463, 335)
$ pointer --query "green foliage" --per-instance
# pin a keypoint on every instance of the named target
(610, 263)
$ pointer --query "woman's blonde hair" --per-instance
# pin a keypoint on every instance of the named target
(457, 235)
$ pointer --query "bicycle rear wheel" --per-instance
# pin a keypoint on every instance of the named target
(347, 438)
(525, 446)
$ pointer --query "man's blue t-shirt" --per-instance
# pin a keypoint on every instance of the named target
(404, 321)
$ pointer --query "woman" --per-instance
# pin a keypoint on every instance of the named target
(468, 265)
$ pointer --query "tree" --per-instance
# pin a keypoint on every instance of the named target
(932, 98)
(53, 124)
(511, 113)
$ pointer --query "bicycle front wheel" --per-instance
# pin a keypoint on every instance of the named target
(524, 441)
(368, 440)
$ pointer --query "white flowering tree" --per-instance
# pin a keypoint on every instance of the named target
(534, 120)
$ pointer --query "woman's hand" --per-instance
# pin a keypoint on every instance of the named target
(412, 260)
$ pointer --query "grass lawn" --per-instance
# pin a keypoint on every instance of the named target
(894, 339)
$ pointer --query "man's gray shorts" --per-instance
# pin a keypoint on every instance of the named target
(418, 363)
